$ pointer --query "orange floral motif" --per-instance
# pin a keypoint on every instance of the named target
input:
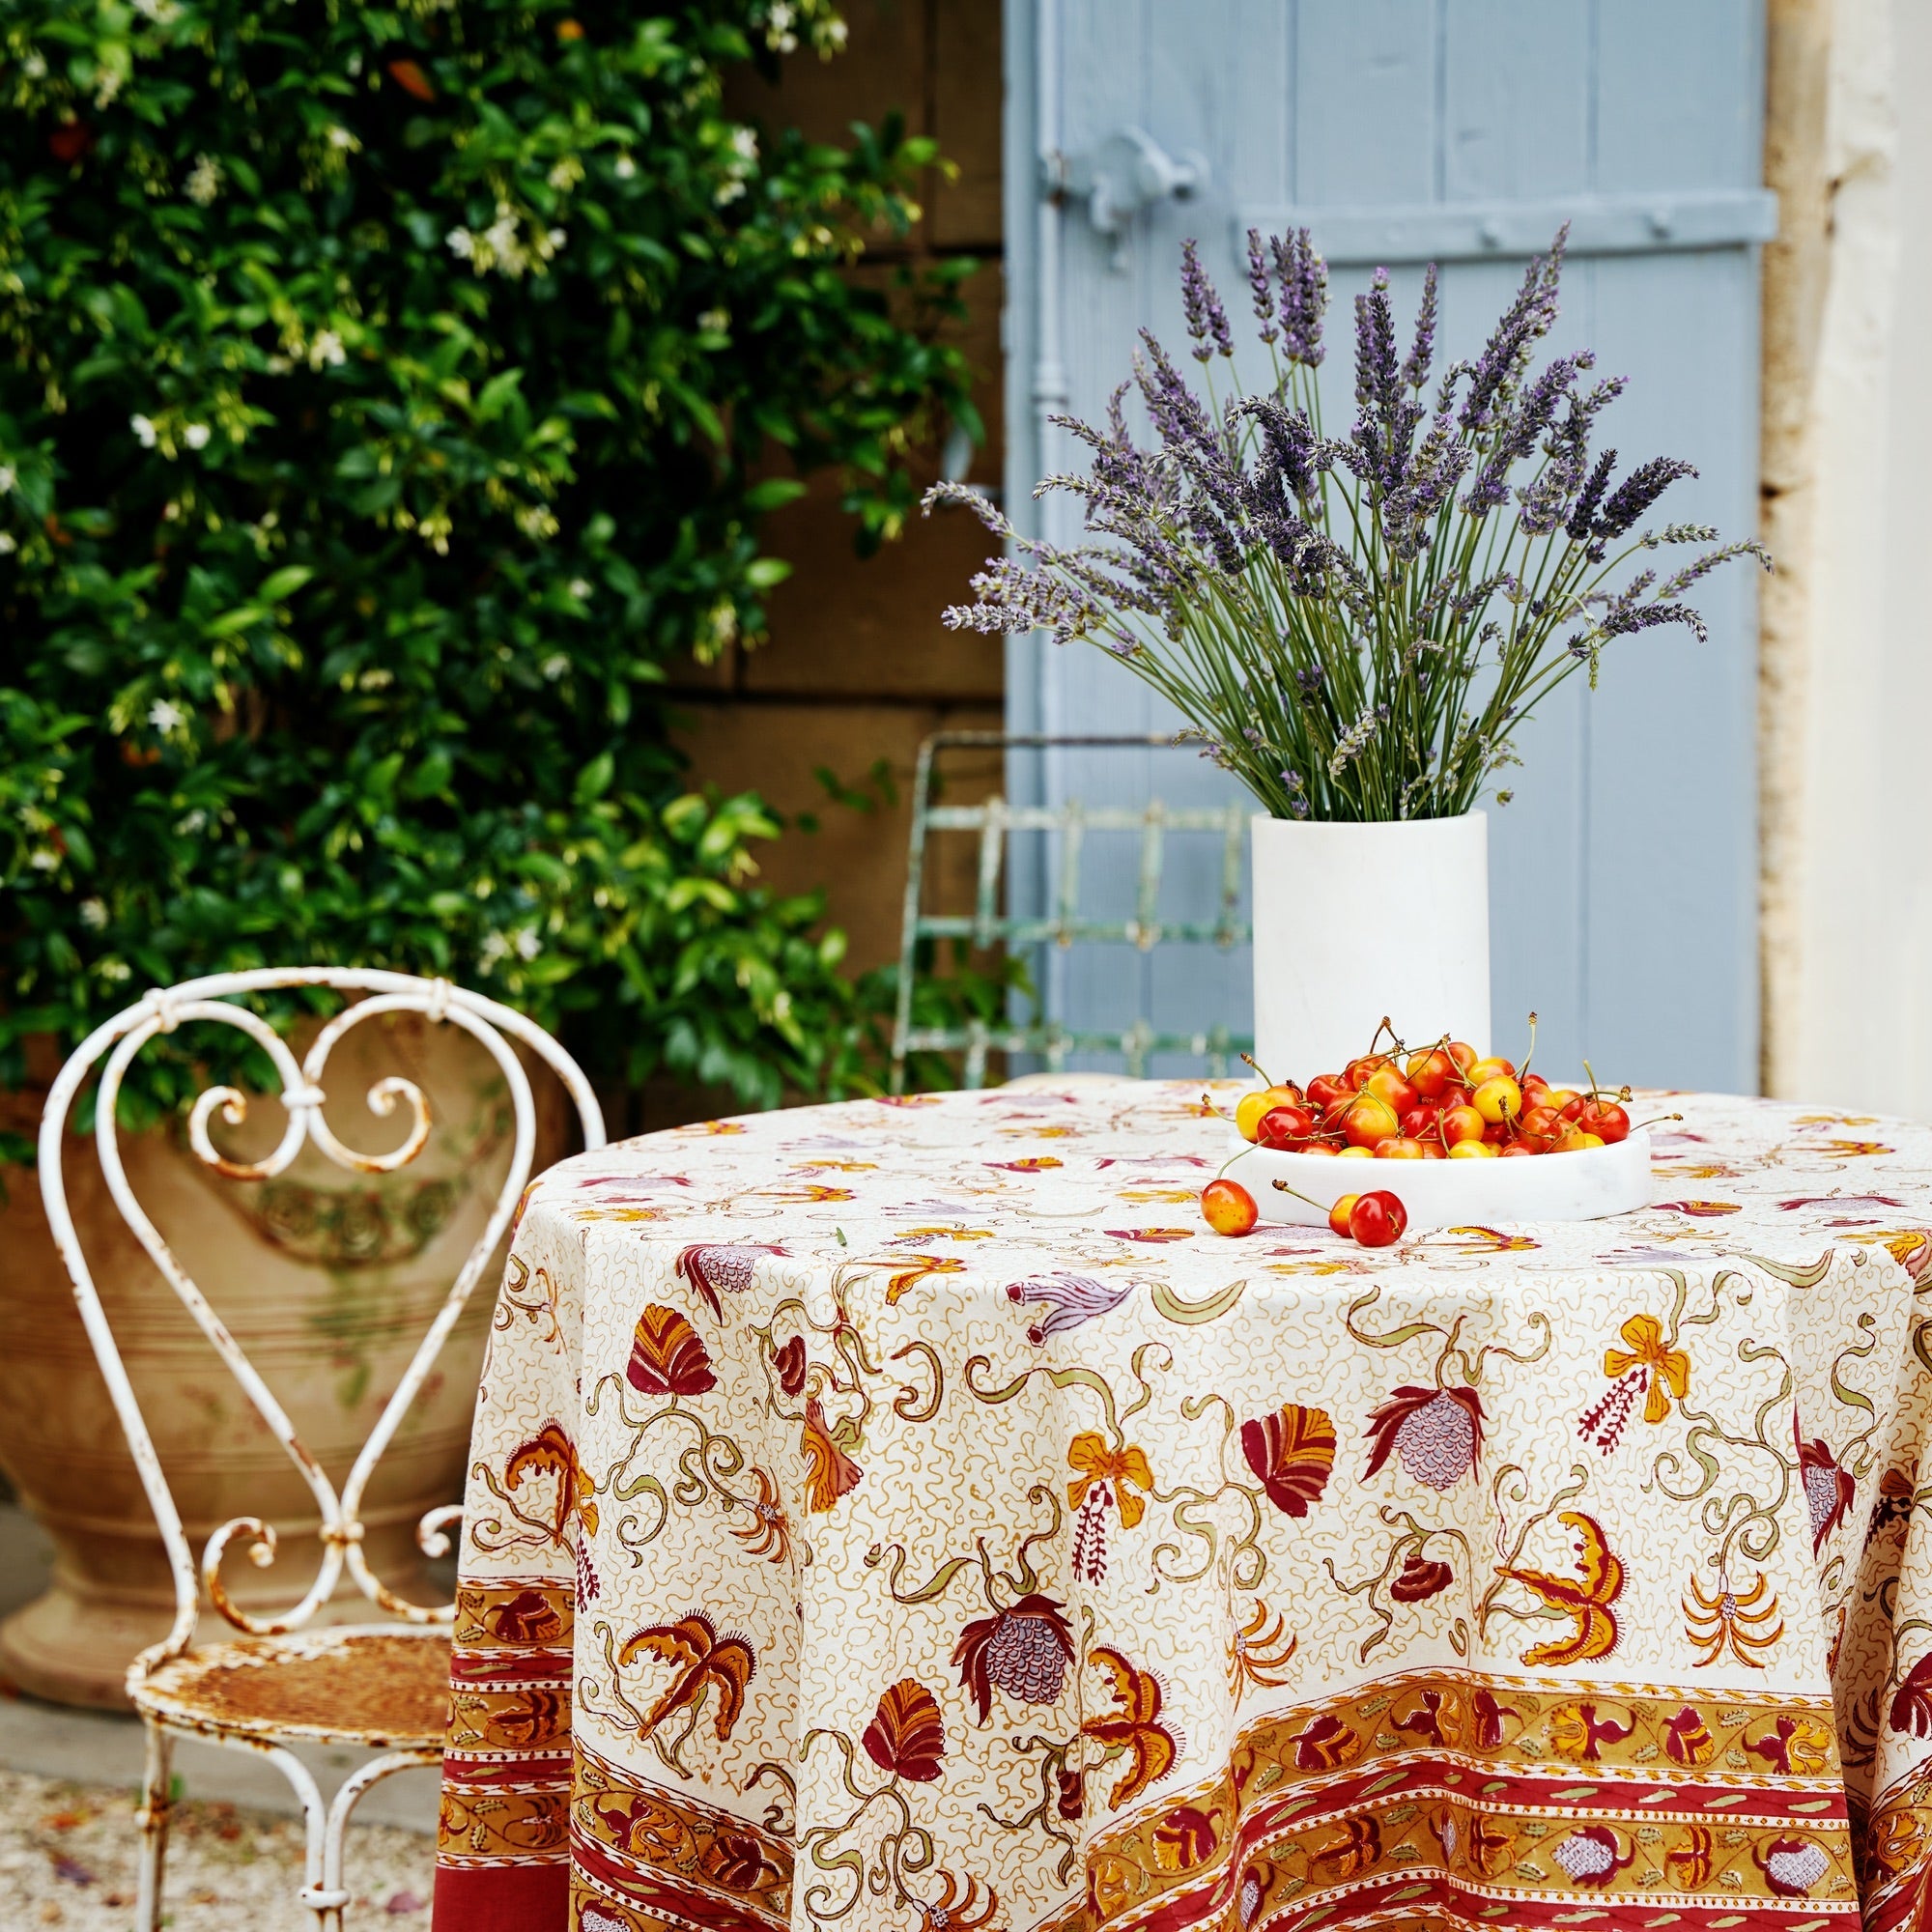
(1667, 1370)
(768, 1534)
(907, 1736)
(1125, 1469)
(551, 1452)
(829, 1471)
(922, 1266)
(1586, 1601)
(1135, 1728)
(667, 1356)
(1292, 1453)
(1728, 1621)
(1255, 1651)
(704, 1661)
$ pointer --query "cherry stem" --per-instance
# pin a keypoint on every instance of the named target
(1234, 1157)
(1655, 1118)
(1530, 1054)
(1248, 1060)
(1283, 1187)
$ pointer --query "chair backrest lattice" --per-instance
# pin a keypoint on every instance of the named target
(113, 1047)
(1066, 828)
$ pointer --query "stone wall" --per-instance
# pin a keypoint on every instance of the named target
(1847, 640)
(858, 668)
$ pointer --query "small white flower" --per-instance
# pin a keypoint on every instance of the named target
(43, 859)
(144, 431)
(462, 243)
(35, 66)
(579, 587)
(165, 714)
(326, 347)
(195, 435)
(831, 34)
(171, 513)
(557, 237)
(495, 946)
(714, 320)
(340, 137)
(93, 914)
(164, 13)
(555, 666)
(6, 479)
(745, 144)
(116, 969)
(624, 167)
(7, 544)
(529, 945)
(780, 16)
(730, 191)
(204, 182)
(190, 822)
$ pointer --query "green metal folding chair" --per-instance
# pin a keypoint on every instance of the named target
(991, 921)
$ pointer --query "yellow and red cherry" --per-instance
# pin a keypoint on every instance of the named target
(1419, 1122)
(1606, 1120)
(1431, 1071)
(1540, 1128)
(1386, 1084)
(1319, 1146)
(1495, 1068)
(1369, 1118)
(1248, 1112)
(1499, 1098)
(1461, 1123)
(1433, 1150)
(1358, 1071)
(1228, 1208)
(1353, 1153)
(1324, 1091)
(1477, 1150)
(1338, 1215)
(1283, 1127)
(1398, 1147)
(1576, 1140)
(1514, 1150)
(1464, 1055)
(1377, 1219)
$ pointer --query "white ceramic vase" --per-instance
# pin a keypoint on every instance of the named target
(1352, 922)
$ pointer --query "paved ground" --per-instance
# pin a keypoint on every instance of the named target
(67, 1831)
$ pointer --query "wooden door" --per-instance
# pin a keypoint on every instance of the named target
(1401, 131)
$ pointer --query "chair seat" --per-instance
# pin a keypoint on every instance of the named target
(384, 1686)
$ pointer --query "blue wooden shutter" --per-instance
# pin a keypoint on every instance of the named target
(1625, 870)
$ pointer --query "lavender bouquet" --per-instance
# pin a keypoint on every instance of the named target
(1355, 628)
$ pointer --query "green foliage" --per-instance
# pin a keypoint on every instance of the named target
(388, 395)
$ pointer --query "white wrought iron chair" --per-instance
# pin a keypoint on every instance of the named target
(379, 1686)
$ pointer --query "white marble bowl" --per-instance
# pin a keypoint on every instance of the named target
(1582, 1186)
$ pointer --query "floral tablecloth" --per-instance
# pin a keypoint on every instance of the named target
(908, 1515)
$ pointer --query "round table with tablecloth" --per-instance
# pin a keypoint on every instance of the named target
(908, 1514)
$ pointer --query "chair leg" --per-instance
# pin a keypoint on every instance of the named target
(347, 1797)
(157, 1797)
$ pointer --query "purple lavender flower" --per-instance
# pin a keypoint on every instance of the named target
(1422, 352)
(1304, 296)
(1201, 302)
(1260, 287)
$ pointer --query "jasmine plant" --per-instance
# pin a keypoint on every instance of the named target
(1355, 627)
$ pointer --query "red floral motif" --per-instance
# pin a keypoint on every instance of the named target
(1693, 1860)
(1187, 1837)
(790, 1361)
(1895, 1490)
(1025, 1649)
(1135, 1727)
(1354, 1851)
(1071, 1794)
(1585, 1600)
(1829, 1488)
(530, 1618)
(907, 1736)
(1325, 1744)
(1292, 1451)
(1580, 1730)
(1489, 1718)
(551, 1452)
(1688, 1739)
(703, 1661)
(666, 1357)
(829, 1471)
(1912, 1703)
(1590, 1856)
(1419, 1579)
(728, 1267)
(1437, 1434)
(737, 1861)
(1791, 1867)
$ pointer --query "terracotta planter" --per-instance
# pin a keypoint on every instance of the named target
(328, 1279)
